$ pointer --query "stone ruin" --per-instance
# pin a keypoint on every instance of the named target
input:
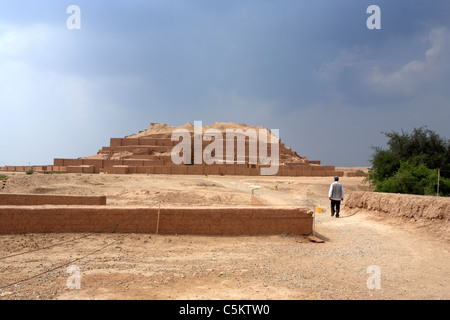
(149, 152)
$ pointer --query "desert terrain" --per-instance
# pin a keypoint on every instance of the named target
(412, 256)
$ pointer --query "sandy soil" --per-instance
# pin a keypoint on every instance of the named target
(413, 262)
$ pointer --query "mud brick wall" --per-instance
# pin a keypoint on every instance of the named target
(81, 169)
(143, 160)
(401, 205)
(26, 168)
(14, 199)
(356, 174)
(167, 167)
(198, 221)
(117, 170)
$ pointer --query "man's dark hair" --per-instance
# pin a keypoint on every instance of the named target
(336, 178)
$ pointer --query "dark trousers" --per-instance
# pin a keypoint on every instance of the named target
(335, 207)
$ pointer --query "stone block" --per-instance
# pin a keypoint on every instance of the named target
(74, 169)
(112, 163)
(115, 142)
(230, 171)
(137, 163)
(73, 162)
(130, 142)
(164, 142)
(58, 162)
(88, 169)
(166, 170)
(181, 169)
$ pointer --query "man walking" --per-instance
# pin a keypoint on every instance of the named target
(336, 195)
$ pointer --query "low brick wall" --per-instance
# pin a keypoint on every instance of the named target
(401, 205)
(15, 199)
(355, 174)
(198, 221)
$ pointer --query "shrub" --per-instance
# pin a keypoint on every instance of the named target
(414, 180)
(410, 163)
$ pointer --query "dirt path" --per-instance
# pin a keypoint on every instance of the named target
(412, 263)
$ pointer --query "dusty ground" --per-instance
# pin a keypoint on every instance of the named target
(413, 262)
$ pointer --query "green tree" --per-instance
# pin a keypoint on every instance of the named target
(411, 179)
(410, 163)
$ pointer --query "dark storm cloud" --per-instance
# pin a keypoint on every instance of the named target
(299, 66)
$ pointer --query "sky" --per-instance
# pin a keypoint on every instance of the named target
(310, 68)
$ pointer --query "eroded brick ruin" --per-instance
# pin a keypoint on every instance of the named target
(149, 152)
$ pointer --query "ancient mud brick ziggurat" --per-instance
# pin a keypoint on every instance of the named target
(149, 152)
